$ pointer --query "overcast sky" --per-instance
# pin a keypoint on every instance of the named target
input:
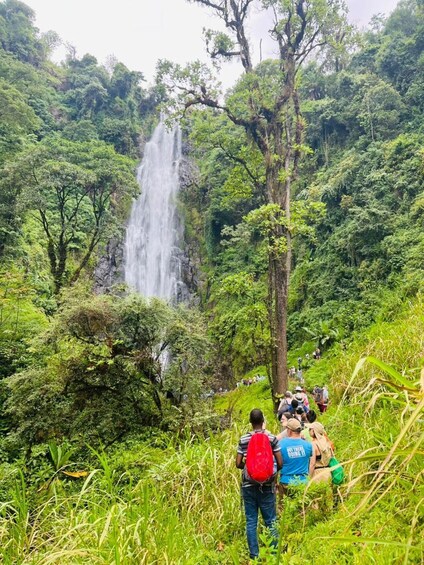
(139, 32)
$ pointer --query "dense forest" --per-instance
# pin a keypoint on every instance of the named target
(303, 195)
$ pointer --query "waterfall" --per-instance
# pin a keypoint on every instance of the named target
(153, 258)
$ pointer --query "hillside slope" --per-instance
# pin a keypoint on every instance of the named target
(168, 498)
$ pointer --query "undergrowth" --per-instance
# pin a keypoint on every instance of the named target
(160, 499)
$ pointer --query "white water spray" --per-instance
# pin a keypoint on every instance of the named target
(154, 233)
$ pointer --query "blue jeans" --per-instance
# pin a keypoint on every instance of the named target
(257, 498)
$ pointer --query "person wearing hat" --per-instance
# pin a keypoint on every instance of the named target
(300, 391)
(298, 457)
(300, 397)
(323, 450)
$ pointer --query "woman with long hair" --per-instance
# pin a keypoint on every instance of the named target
(324, 451)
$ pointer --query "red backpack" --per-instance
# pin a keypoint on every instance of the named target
(259, 458)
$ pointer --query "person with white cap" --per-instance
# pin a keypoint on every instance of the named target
(301, 398)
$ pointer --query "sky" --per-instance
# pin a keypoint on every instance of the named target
(140, 32)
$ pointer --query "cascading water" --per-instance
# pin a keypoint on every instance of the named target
(153, 257)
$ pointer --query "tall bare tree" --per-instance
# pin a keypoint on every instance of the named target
(270, 114)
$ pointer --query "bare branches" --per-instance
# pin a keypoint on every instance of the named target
(239, 13)
(233, 13)
(303, 27)
(244, 7)
(219, 7)
(303, 23)
(204, 100)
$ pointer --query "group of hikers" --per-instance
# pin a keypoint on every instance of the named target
(251, 381)
(300, 453)
(297, 403)
(298, 374)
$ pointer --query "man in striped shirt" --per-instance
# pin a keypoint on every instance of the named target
(258, 496)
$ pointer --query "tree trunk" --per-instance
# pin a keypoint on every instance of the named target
(94, 241)
(62, 253)
(283, 161)
(271, 321)
(281, 277)
(52, 257)
(278, 193)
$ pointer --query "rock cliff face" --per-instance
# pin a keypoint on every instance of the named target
(191, 260)
(110, 266)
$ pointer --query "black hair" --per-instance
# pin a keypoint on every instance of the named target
(294, 403)
(256, 417)
(311, 416)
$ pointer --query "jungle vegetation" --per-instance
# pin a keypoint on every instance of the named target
(105, 456)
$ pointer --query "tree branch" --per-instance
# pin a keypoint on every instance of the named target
(243, 163)
(220, 8)
(222, 53)
(301, 33)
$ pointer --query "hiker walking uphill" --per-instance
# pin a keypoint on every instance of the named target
(284, 403)
(298, 458)
(321, 397)
(324, 451)
(259, 456)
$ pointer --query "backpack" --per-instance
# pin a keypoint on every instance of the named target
(259, 459)
(284, 407)
(319, 396)
(337, 473)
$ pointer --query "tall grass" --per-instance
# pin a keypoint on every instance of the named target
(169, 501)
(378, 426)
(174, 514)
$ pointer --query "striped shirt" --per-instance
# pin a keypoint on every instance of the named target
(242, 450)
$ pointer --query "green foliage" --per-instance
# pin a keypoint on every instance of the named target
(80, 98)
(117, 509)
(77, 191)
(15, 113)
(20, 320)
(99, 373)
(368, 244)
(19, 34)
(240, 326)
(366, 168)
(93, 371)
(60, 456)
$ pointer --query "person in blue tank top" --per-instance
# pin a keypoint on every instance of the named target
(298, 457)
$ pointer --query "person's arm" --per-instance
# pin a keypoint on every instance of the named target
(312, 462)
(239, 461)
(276, 450)
(279, 459)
